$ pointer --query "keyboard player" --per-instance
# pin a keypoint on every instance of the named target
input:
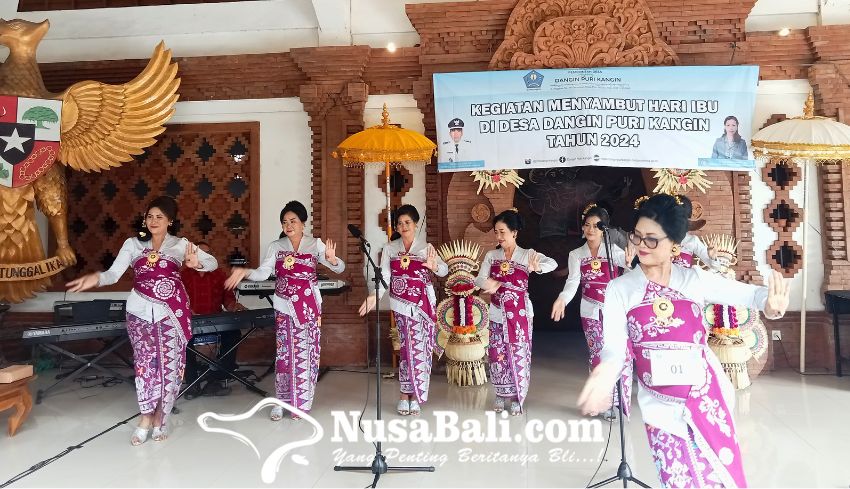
(207, 295)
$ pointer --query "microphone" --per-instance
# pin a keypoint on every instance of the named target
(355, 231)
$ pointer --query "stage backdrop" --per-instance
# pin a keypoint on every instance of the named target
(673, 117)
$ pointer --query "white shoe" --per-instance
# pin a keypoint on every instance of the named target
(277, 413)
(403, 407)
(516, 409)
(160, 433)
(499, 404)
(140, 435)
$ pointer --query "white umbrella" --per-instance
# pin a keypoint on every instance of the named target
(805, 139)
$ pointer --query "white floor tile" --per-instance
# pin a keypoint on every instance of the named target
(791, 430)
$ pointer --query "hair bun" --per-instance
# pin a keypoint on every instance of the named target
(640, 201)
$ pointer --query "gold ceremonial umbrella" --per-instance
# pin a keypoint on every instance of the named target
(804, 139)
(386, 145)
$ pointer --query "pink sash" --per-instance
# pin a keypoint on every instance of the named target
(512, 298)
(158, 281)
(595, 278)
(409, 284)
(296, 283)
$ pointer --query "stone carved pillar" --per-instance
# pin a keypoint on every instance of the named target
(334, 97)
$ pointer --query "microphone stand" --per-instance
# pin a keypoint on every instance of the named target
(379, 465)
(624, 472)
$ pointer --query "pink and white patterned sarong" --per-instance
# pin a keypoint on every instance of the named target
(159, 355)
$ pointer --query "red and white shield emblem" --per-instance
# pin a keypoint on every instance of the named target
(29, 138)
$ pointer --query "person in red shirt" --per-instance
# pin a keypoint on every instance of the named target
(207, 295)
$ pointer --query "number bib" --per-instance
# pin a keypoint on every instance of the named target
(676, 367)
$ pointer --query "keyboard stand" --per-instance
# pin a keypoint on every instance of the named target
(86, 364)
(215, 364)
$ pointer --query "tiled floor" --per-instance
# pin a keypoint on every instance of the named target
(792, 430)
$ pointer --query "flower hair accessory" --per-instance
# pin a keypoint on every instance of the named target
(640, 200)
(587, 209)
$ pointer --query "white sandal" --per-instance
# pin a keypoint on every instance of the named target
(403, 407)
(414, 407)
(516, 409)
(277, 413)
(140, 435)
(499, 404)
(160, 433)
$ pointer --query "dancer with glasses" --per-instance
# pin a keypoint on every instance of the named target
(691, 246)
(589, 267)
(685, 398)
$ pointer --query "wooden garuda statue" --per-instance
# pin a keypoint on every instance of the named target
(91, 126)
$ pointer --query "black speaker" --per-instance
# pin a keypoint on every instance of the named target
(85, 312)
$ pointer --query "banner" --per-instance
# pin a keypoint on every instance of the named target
(31, 271)
(654, 117)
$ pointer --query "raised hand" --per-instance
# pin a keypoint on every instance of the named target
(191, 258)
(712, 252)
(533, 261)
(330, 252)
(367, 305)
(630, 255)
(558, 309)
(431, 258)
(83, 283)
(778, 296)
(236, 275)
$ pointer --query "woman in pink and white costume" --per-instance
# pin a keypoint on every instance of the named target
(589, 269)
(159, 317)
(685, 398)
(504, 274)
(294, 260)
(406, 267)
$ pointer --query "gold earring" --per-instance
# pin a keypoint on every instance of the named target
(676, 250)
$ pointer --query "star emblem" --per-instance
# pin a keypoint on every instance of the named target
(14, 141)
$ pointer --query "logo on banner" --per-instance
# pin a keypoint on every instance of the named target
(29, 138)
(533, 79)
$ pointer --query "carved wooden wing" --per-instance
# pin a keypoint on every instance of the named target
(104, 125)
